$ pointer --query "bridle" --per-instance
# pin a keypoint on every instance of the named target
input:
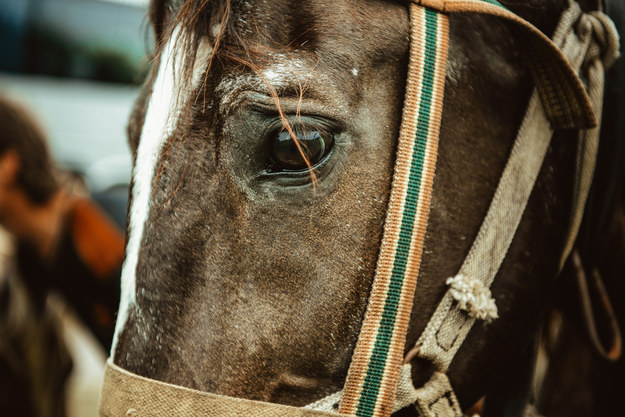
(379, 378)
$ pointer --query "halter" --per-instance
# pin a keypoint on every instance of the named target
(377, 383)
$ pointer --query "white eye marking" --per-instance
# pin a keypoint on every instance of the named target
(163, 112)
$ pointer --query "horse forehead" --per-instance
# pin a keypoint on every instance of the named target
(362, 28)
(289, 77)
(319, 48)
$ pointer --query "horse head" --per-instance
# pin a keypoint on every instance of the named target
(251, 254)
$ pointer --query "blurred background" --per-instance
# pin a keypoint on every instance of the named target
(77, 66)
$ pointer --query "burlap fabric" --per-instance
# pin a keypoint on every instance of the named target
(127, 394)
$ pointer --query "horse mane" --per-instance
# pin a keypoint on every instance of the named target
(198, 18)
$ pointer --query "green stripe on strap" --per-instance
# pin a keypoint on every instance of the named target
(372, 379)
(375, 372)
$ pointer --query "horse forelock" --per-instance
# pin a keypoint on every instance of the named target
(245, 33)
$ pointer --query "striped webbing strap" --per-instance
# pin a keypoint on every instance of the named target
(372, 380)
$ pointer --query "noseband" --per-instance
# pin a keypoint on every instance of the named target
(379, 378)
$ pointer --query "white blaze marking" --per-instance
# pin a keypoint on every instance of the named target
(161, 118)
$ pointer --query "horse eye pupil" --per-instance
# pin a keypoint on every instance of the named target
(286, 154)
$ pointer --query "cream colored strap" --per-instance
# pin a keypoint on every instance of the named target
(563, 97)
(125, 394)
(450, 324)
(437, 399)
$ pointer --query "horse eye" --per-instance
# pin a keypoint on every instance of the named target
(286, 155)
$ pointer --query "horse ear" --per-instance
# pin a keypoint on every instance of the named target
(157, 13)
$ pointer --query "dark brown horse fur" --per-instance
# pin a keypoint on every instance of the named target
(253, 283)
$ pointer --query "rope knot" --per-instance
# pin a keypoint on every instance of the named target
(605, 37)
(473, 297)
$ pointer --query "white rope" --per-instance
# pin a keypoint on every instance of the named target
(473, 297)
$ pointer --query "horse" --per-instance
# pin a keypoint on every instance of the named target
(251, 254)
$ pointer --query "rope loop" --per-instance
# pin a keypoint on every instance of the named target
(606, 38)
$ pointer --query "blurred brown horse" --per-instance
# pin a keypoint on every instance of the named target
(247, 276)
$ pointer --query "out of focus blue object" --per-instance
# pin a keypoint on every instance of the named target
(93, 39)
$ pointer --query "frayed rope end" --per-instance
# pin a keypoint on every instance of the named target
(473, 297)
